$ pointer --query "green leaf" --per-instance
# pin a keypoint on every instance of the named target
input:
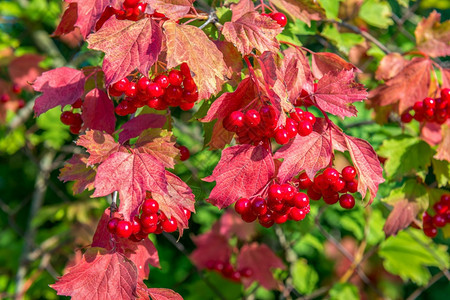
(11, 142)
(410, 253)
(344, 41)
(376, 13)
(441, 169)
(331, 8)
(404, 3)
(304, 277)
(375, 233)
(55, 133)
(345, 291)
(410, 190)
(406, 155)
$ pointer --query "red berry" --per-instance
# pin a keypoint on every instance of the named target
(131, 89)
(234, 121)
(439, 220)
(347, 201)
(184, 153)
(301, 200)
(158, 15)
(67, 118)
(113, 92)
(313, 194)
(16, 89)
(352, 186)
(75, 129)
(157, 103)
(112, 225)
(170, 225)
(280, 18)
(173, 95)
(304, 182)
(130, 3)
(252, 118)
(418, 107)
(246, 272)
(406, 117)
(339, 185)
(445, 199)
(248, 217)
(149, 220)
(142, 85)
(189, 84)
(430, 232)
(235, 276)
(150, 229)
(429, 102)
(297, 214)
(124, 229)
(331, 199)
(348, 173)
(135, 225)
(307, 116)
(187, 213)
(281, 136)
(445, 95)
(185, 70)
(419, 116)
(291, 127)
(121, 85)
(266, 220)
(440, 208)
(427, 219)
(242, 206)
(175, 77)
(441, 103)
(186, 106)
(268, 115)
(123, 108)
(150, 206)
(4, 98)
(320, 182)
(190, 97)
(78, 103)
(259, 206)
(275, 192)
(297, 115)
(304, 128)
(280, 218)
(288, 192)
(331, 175)
(162, 80)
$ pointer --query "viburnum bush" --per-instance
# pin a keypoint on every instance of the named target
(156, 74)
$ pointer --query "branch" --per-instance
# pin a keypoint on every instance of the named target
(432, 281)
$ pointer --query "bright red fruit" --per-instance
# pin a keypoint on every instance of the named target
(348, 173)
(184, 68)
(150, 206)
(280, 219)
(162, 80)
(347, 201)
(259, 206)
(280, 18)
(297, 214)
(429, 102)
(131, 89)
(331, 199)
(301, 200)
(430, 232)
(303, 181)
(234, 121)
(170, 225)
(439, 220)
(445, 199)
(297, 115)
(112, 225)
(67, 118)
(4, 98)
(248, 217)
(186, 106)
(135, 225)
(252, 118)
(331, 175)
(281, 136)
(130, 3)
(304, 128)
(78, 103)
(445, 95)
(406, 117)
(275, 192)
(242, 206)
(124, 229)
(175, 77)
(352, 186)
(184, 153)
(189, 84)
(16, 89)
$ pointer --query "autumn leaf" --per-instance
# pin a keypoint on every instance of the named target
(431, 133)
(295, 72)
(68, 20)
(24, 69)
(220, 137)
(261, 260)
(311, 153)
(211, 246)
(178, 197)
(89, 11)
(99, 275)
(365, 161)
(99, 145)
(191, 45)
(233, 60)
(163, 294)
(75, 169)
(241, 8)
(231, 224)
(432, 36)
(305, 10)
(172, 9)
(243, 169)
(128, 45)
(98, 111)
(337, 91)
(61, 86)
(410, 85)
(325, 62)
(253, 31)
(229, 102)
(131, 174)
(443, 150)
(159, 143)
(135, 126)
(390, 66)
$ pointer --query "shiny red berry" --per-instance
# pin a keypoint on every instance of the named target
(170, 225)
(281, 136)
(234, 121)
(303, 181)
(301, 200)
(67, 118)
(175, 77)
(348, 173)
(184, 68)
(162, 80)
(304, 128)
(347, 201)
(150, 206)
(78, 103)
(252, 118)
(406, 117)
(429, 102)
(259, 206)
(280, 18)
(124, 229)
(297, 214)
(430, 232)
(439, 220)
(184, 153)
(242, 206)
(112, 225)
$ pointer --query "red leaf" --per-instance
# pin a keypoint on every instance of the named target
(390, 66)
(68, 20)
(178, 197)
(89, 11)
(172, 9)
(99, 275)
(98, 111)
(325, 62)
(131, 174)
(164, 294)
(191, 45)
(253, 31)
(244, 170)
(141, 254)
(75, 169)
(233, 60)
(443, 150)
(296, 72)
(229, 102)
(127, 45)
(220, 137)
(135, 126)
(211, 246)
(365, 161)
(261, 260)
(159, 143)
(410, 85)
(311, 153)
(231, 224)
(400, 217)
(99, 145)
(25, 69)
(433, 37)
(431, 133)
(445, 76)
(337, 91)
(61, 86)
(241, 8)
(305, 10)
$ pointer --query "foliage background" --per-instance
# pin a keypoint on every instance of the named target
(41, 222)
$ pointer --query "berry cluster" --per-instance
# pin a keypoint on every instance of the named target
(255, 126)
(227, 270)
(152, 220)
(72, 119)
(283, 203)
(280, 18)
(329, 184)
(440, 219)
(4, 98)
(175, 89)
(430, 110)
